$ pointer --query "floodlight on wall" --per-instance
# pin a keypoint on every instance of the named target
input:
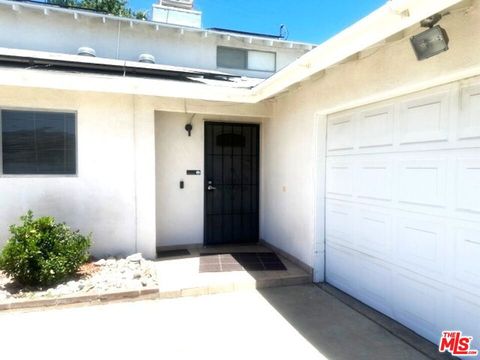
(429, 43)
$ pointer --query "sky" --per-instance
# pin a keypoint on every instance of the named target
(312, 21)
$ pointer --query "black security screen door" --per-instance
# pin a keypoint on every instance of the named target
(231, 183)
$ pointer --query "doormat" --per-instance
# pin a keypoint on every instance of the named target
(261, 261)
(172, 253)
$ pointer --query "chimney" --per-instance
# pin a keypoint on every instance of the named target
(177, 12)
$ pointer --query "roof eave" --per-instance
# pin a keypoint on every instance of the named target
(376, 27)
(379, 25)
(157, 25)
(76, 81)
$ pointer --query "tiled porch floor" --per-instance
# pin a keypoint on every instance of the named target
(182, 276)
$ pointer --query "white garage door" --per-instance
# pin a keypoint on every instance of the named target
(403, 208)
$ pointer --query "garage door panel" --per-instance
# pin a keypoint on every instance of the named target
(341, 133)
(340, 219)
(373, 180)
(376, 127)
(423, 182)
(418, 305)
(341, 269)
(466, 316)
(403, 207)
(420, 245)
(469, 122)
(340, 181)
(424, 120)
(375, 284)
(374, 232)
(468, 188)
(467, 256)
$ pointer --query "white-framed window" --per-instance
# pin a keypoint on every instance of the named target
(245, 59)
(38, 142)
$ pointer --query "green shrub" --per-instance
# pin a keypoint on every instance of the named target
(41, 252)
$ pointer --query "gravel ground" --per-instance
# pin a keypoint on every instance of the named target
(105, 275)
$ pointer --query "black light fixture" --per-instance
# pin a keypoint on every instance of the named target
(189, 128)
(431, 42)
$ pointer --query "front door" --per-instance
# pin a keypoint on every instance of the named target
(231, 183)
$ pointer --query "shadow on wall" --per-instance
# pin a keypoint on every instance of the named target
(105, 220)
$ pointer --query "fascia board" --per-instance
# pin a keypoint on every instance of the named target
(377, 26)
(120, 85)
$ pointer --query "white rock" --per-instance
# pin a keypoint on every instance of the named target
(136, 258)
(110, 262)
(101, 262)
(121, 263)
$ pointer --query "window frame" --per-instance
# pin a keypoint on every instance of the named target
(68, 111)
(247, 51)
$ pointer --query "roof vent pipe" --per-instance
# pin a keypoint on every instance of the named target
(86, 51)
(146, 58)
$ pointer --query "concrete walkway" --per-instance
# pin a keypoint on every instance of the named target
(297, 322)
(183, 275)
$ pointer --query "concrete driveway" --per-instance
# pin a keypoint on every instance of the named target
(297, 322)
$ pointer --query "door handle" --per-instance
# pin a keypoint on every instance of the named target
(210, 188)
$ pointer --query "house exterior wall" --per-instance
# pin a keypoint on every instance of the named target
(294, 139)
(60, 32)
(180, 212)
(101, 198)
(113, 194)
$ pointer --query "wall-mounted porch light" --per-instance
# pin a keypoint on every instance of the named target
(431, 42)
(189, 128)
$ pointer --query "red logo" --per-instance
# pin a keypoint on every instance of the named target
(457, 344)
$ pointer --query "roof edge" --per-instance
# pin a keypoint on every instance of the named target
(156, 25)
(379, 25)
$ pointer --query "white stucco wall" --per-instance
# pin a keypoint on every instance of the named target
(101, 198)
(112, 183)
(57, 32)
(294, 144)
(113, 194)
(180, 211)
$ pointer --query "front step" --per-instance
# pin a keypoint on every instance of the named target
(179, 277)
(166, 293)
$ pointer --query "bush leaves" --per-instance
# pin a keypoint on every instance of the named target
(41, 252)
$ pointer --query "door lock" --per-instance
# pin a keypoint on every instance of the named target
(210, 187)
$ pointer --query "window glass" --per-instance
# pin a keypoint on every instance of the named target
(35, 142)
(231, 58)
(261, 60)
